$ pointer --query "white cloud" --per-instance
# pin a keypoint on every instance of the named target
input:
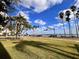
(77, 3)
(57, 18)
(51, 27)
(40, 5)
(43, 28)
(40, 22)
(59, 24)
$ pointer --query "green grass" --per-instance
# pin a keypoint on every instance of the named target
(42, 48)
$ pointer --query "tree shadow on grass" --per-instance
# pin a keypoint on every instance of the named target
(3, 53)
(22, 48)
(45, 46)
(77, 47)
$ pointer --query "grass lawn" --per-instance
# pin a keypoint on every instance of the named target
(42, 48)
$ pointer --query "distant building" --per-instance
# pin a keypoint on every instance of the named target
(4, 31)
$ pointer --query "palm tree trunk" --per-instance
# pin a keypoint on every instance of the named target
(16, 30)
(76, 25)
(54, 31)
(11, 25)
(70, 32)
(76, 28)
(64, 28)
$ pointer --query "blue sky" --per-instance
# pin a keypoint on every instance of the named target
(49, 15)
(41, 16)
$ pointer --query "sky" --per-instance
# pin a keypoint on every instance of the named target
(44, 13)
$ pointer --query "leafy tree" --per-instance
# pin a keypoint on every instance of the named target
(21, 21)
(5, 7)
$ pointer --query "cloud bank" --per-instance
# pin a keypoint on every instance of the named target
(40, 22)
(77, 3)
(40, 5)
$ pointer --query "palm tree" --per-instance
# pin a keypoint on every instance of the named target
(77, 16)
(73, 9)
(61, 15)
(67, 13)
